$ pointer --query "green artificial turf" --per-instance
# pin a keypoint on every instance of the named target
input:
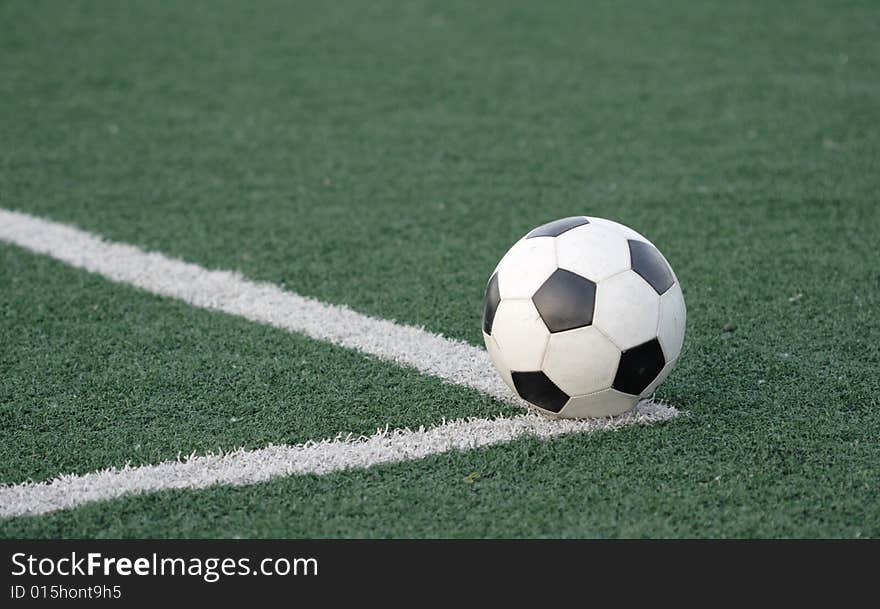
(97, 374)
(702, 475)
(384, 155)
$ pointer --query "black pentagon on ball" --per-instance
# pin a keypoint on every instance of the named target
(639, 367)
(537, 389)
(565, 301)
(557, 227)
(647, 262)
(490, 303)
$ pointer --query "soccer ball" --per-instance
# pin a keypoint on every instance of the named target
(583, 317)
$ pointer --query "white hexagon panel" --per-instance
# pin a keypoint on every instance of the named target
(627, 310)
(673, 316)
(581, 361)
(576, 251)
(526, 266)
(520, 334)
(622, 229)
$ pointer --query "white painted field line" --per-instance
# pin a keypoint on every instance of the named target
(451, 360)
(244, 467)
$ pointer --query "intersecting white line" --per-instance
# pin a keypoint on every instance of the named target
(244, 467)
(432, 354)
